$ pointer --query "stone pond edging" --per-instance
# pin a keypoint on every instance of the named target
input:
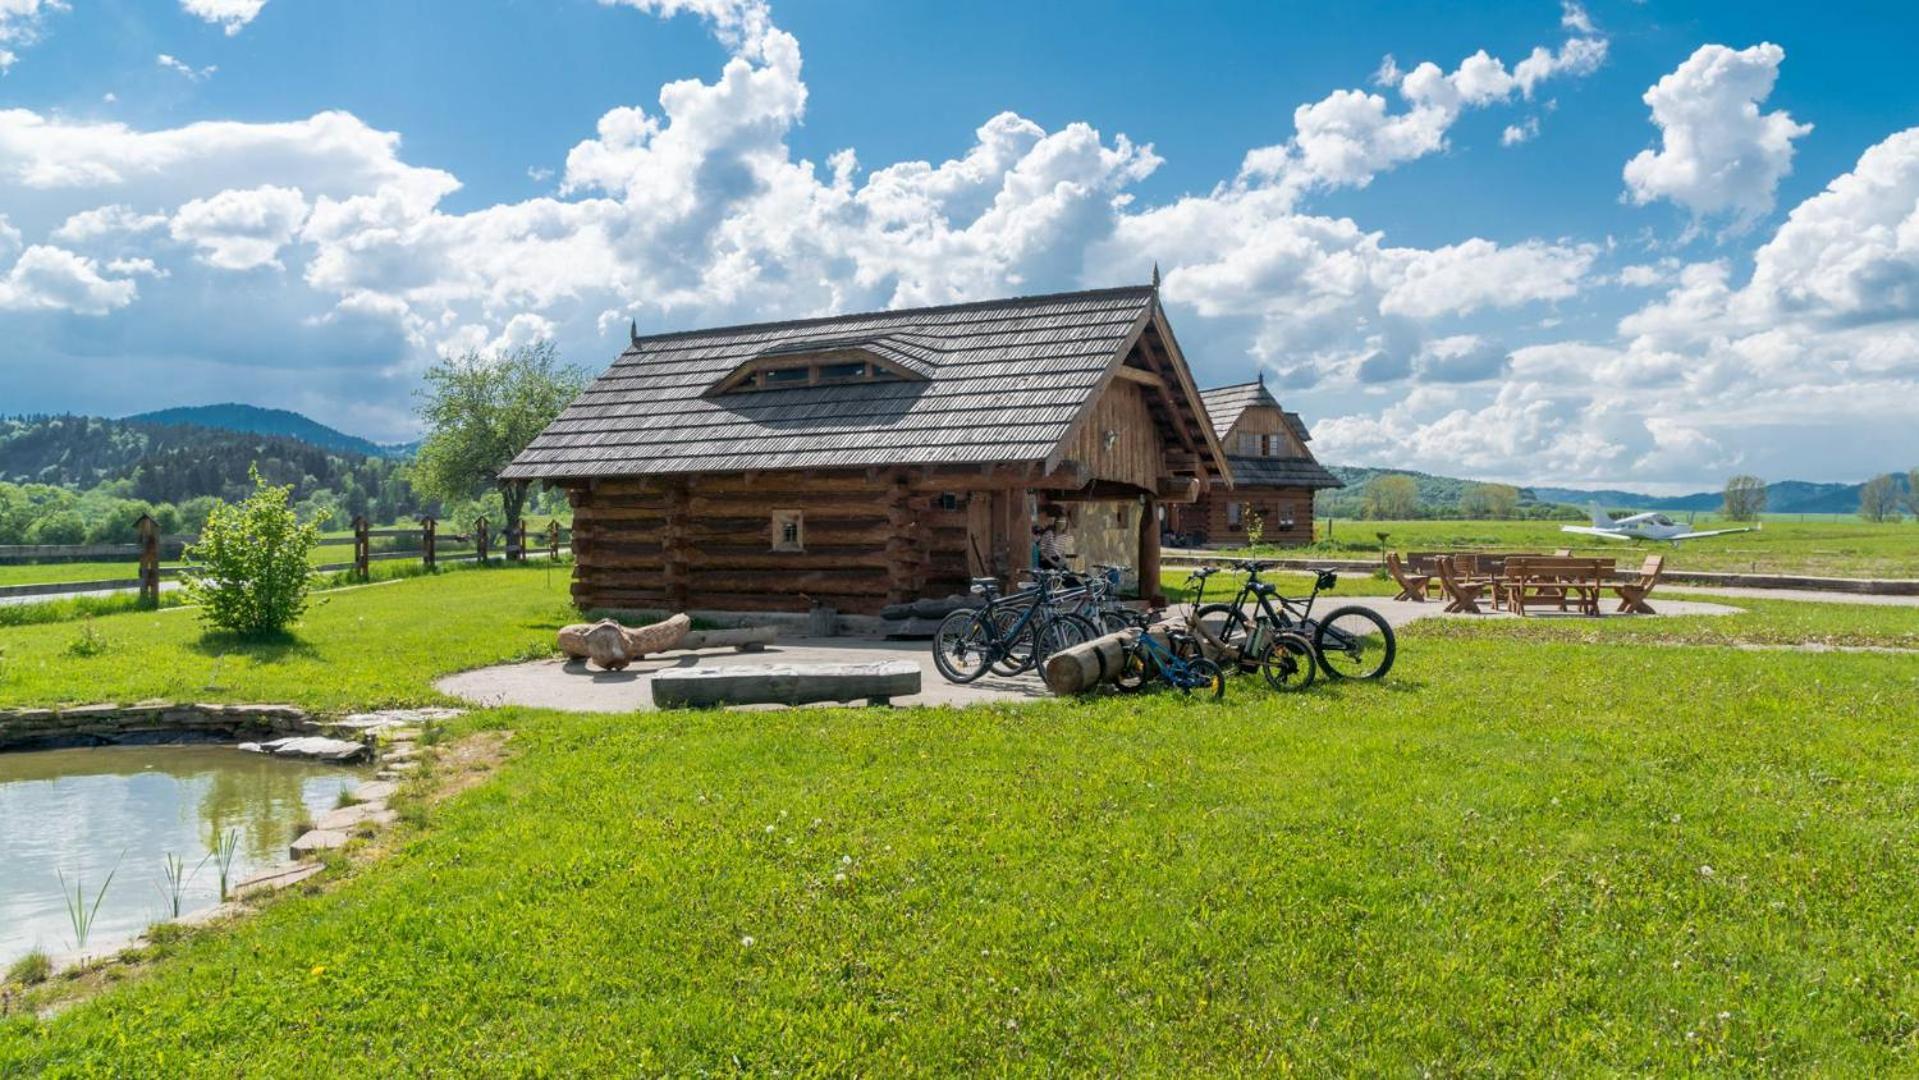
(279, 729)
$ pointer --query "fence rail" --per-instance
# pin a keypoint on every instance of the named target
(146, 554)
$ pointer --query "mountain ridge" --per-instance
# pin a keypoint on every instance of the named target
(283, 423)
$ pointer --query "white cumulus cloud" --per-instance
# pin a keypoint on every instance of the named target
(1720, 153)
(232, 15)
(241, 230)
(53, 279)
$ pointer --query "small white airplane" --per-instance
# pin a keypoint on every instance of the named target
(1650, 526)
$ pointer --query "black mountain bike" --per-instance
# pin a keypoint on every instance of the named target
(1009, 635)
(1352, 642)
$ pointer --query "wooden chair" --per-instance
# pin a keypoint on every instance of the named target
(1462, 595)
(1632, 594)
(1411, 586)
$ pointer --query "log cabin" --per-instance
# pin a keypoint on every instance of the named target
(1274, 473)
(863, 460)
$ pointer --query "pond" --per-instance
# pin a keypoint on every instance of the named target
(121, 810)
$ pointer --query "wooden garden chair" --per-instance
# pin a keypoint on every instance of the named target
(1632, 594)
(1411, 586)
(1462, 595)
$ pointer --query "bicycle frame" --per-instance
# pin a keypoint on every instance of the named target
(1172, 668)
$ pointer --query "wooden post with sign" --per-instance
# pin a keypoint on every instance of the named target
(362, 547)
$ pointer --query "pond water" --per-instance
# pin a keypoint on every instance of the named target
(121, 810)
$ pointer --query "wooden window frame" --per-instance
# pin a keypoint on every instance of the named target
(783, 518)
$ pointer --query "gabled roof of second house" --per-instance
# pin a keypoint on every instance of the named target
(996, 381)
(1225, 404)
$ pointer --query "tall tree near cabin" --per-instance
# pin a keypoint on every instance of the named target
(481, 410)
(1745, 497)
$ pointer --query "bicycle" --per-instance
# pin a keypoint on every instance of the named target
(1176, 662)
(1350, 642)
(1009, 635)
(1285, 657)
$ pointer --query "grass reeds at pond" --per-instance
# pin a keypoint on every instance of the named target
(1509, 857)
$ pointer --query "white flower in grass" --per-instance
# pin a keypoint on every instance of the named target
(746, 942)
(1705, 871)
(841, 877)
(769, 828)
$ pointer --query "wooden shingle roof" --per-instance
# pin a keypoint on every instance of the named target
(1004, 381)
(1225, 404)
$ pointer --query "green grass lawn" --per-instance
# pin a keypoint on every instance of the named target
(1826, 547)
(375, 645)
(1524, 852)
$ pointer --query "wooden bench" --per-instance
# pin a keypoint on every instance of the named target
(786, 684)
(1535, 579)
(1633, 593)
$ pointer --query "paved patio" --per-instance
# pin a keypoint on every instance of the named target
(577, 687)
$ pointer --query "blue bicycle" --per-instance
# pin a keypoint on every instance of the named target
(1171, 656)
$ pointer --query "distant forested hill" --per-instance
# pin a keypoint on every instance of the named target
(1782, 497)
(1439, 496)
(258, 421)
(166, 463)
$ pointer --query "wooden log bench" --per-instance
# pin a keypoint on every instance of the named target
(878, 682)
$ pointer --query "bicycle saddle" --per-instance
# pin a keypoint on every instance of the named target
(1263, 588)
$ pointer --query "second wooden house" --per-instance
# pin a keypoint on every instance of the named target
(1274, 474)
(860, 460)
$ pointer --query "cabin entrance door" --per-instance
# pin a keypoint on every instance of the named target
(996, 545)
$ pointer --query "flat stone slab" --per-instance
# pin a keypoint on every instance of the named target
(346, 817)
(315, 841)
(277, 878)
(376, 791)
(313, 748)
(878, 681)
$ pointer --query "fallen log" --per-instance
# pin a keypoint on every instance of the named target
(603, 642)
(1079, 668)
(744, 638)
(612, 646)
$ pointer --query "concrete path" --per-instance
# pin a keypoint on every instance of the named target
(578, 687)
(1810, 596)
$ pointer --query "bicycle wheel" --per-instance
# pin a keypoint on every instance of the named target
(1136, 669)
(1355, 643)
(1289, 664)
(1112, 621)
(1061, 632)
(1018, 648)
(964, 646)
(1204, 677)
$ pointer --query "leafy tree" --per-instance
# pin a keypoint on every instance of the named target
(1912, 491)
(249, 571)
(1392, 495)
(1489, 500)
(1745, 497)
(481, 411)
(1879, 499)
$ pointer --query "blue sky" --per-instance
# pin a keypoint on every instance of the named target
(311, 200)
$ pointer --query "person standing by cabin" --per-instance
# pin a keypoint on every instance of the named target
(1049, 538)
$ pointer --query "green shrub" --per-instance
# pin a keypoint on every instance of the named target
(249, 571)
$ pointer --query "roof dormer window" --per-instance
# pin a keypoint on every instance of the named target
(823, 364)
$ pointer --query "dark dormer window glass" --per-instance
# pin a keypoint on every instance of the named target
(797, 376)
(842, 372)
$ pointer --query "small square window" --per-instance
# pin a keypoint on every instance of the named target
(789, 530)
(949, 501)
(1233, 514)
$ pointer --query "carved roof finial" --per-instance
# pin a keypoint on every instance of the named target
(1155, 273)
(633, 331)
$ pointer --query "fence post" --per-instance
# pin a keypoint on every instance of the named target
(479, 538)
(553, 539)
(426, 542)
(362, 547)
(149, 559)
(516, 547)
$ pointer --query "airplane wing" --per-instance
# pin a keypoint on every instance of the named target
(1713, 532)
(1586, 530)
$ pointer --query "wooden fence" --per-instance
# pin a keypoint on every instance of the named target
(432, 548)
